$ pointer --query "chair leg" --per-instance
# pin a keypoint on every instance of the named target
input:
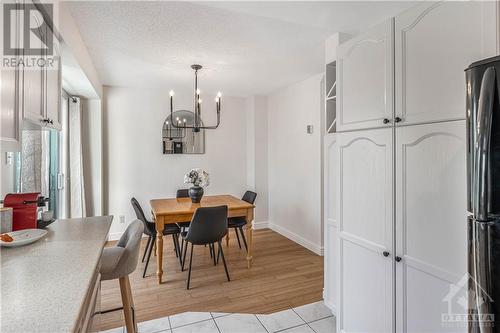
(213, 251)
(210, 249)
(223, 260)
(176, 243)
(146, 248)
(190, 264)
(184, 255)
(237, 237)
(149, 256)
(175, 246)
(127, 304)
(243, 236)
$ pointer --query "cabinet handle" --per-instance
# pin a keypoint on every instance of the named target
(398, 259)
(397, 119)
(386, 121)
(51, 121)
(385, 253)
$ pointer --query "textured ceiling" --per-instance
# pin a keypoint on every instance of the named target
(246, 48)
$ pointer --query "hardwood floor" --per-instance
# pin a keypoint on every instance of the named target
(284, 275)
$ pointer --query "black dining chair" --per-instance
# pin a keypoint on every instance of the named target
(237, 223)
(150, 231)
(208, 226)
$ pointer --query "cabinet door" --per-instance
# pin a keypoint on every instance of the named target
(53, 85)
(10, 79)
(365, 213)
(331, 231)
(33, 109)
(431, 226)
(434, 43)
(365, 75)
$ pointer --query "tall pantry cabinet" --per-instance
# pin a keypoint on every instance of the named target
(400, 172)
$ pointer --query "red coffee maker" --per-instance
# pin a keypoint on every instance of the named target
(24, 209)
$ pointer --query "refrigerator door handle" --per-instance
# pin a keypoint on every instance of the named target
(482, 180)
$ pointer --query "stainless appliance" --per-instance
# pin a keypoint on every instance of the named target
(483, 189)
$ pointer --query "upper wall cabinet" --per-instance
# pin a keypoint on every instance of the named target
(365, 72)
(434, 43)
(10, 102)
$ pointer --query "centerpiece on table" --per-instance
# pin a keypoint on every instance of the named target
(200, 179)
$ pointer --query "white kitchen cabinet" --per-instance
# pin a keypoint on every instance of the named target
(11, 79)
(365, 215)
(52, 87)
(33, 73)
(434, 43)
(431, 233)
(330, 222)
(365, 80)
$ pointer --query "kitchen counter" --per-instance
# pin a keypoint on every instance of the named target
(44, 285)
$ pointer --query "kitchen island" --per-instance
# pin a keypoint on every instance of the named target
(53, 284)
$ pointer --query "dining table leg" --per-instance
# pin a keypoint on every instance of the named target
(227, 238)
(249, 218)
(159, 248)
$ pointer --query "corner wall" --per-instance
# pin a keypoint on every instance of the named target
(294, 163)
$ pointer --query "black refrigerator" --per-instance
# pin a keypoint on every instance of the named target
(483, 194)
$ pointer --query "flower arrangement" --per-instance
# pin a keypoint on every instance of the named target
(197, 177)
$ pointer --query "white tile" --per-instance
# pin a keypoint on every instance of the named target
(155, 325)
(299, 329)
(207, 326)
(280, 320)
(219, 314)
(313, 311)
(187, 318)
(113, 330)
(240, 323)
(326, 325)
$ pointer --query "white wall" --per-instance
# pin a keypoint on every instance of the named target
(135, 165)
(257, 176)
(92, 155)
(294, 165)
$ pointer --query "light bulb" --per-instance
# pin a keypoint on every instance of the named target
(184, 120)
(177, 118)
(199, 100)
(167, 122)
(171, 93)
(219, 94)
(216, 99)
(198, 91)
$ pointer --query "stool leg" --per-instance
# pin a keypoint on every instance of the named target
(127, 304)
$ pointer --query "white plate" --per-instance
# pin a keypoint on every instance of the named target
(23, 237)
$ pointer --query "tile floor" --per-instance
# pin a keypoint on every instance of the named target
(310, 318)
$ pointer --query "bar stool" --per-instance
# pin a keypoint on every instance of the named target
(118, 262)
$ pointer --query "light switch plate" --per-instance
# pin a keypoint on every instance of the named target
(9, 156)
(309, 129)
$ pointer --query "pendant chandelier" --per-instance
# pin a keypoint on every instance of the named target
(197, 123)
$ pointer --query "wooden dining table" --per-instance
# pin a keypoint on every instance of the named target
(168, 211)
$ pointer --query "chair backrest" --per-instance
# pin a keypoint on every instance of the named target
(209, 225)
(249, 197)
(139, 213)
(130, 241)
(182, 193)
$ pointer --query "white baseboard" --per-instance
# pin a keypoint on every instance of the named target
(114, 236)
(329, 304)
(260, 225)
(297, 239)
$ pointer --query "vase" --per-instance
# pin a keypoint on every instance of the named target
(196, 193)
